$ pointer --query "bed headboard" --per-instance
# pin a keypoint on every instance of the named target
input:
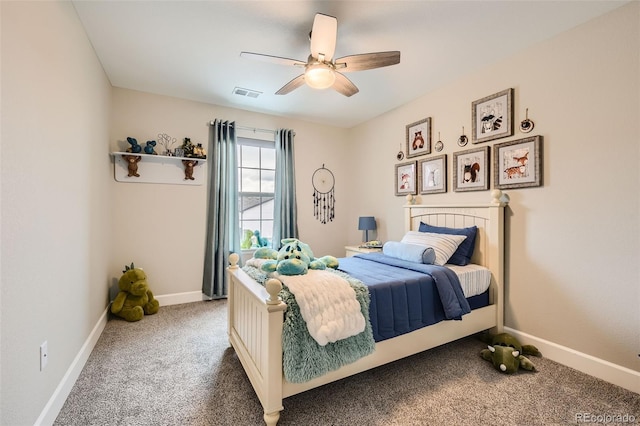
(489, 218)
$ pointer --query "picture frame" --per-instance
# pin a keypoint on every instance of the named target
(492, 116)
(405, 178)
(471, 170)
(432, 175)
(418, 136)
(518, 164)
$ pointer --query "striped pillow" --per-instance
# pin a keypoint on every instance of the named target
(443, 244)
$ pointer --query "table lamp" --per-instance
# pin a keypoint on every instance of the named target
(366, 224)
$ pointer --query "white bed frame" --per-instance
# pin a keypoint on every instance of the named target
(256, 313)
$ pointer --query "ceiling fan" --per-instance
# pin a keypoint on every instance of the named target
(321, 69)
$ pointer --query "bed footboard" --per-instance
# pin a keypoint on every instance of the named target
(255, 322)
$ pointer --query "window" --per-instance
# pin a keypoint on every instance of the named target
(256, 186)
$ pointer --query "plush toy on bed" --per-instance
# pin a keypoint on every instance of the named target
(508, 355)
(135, 299)
(295, 258)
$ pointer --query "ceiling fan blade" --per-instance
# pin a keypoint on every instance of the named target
(272, 59)
(323, 36)
(292, 85)
(367, 61)
(344, 85)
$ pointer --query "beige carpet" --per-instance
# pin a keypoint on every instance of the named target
(177, 368)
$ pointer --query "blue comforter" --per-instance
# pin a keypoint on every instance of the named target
(406, 296)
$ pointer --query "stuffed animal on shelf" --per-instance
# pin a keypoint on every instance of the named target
(132, 164)
(508, 355)
(135, 148)
(188, 169)
(187, 146)
(135, 299)
(150, 148)
(296, 258)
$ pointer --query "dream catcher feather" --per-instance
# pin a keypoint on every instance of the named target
(324, 199)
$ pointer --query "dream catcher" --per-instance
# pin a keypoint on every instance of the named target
(324, 199)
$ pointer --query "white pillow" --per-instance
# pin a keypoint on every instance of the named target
(409, 252)
(443, 244)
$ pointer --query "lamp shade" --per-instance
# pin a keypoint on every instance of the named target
(367, 223)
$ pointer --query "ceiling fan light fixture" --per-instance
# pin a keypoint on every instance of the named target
(319, 76)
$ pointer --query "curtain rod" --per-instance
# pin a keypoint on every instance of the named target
(252, 129)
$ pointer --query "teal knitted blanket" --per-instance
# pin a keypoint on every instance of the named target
(302, 357)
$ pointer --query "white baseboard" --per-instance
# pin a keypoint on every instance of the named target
(605, 370)
(55, 403)
(179, 298)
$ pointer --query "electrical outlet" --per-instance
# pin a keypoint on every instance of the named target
(44, 355)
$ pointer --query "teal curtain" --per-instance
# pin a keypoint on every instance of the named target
(223, 224)
(285, 211)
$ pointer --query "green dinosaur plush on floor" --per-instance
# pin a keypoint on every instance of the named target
(135, 299)
(508, 355)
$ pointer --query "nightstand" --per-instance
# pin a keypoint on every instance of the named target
(353, 250)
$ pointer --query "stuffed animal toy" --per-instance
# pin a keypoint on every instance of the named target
(188, 169)
(296, 258)
(265, 253)
(321, 263)
(132, 164)
(245, 244)
(187, 146)
(260, 241)
(508, 355)
(135, 148)
(134, 299)
(150, 148)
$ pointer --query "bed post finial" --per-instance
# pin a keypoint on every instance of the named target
(273, 287)
(234, 258)
(496, 196)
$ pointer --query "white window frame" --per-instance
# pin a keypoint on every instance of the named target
(268, 144)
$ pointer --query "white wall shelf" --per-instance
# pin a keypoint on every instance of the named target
(158, 169)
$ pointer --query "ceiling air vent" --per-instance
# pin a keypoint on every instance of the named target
(246, 92)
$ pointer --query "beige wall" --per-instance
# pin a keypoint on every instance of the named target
(161, 227)
(573, 244)
(55, 199)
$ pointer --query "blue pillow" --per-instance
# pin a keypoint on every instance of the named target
(464, 252)
(409, 252)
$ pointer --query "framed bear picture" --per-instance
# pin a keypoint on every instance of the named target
(419, 138)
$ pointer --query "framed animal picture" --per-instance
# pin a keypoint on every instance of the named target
(518, 164)
(419, 138)
(471, 170)
(432, 175)
(406, 178)
(492, 116)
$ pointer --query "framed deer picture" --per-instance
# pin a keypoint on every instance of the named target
(518, 164)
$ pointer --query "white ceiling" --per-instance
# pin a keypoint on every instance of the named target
(191, 49)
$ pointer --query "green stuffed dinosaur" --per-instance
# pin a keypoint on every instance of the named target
(134, 299)
(294, 258)
(508, 355)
